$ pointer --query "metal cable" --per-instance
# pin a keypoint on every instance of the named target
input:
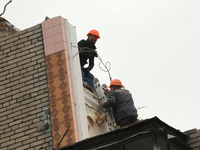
(5, 8)
(101, 61)
(106, 67)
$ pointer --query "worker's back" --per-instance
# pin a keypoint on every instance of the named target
(124, 105)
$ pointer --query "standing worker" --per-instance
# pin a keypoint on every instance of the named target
(87, 52)
(122, 104)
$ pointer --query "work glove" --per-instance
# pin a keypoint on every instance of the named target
(88, 52)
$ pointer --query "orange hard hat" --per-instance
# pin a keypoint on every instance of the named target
(115, 82)
(94, 32)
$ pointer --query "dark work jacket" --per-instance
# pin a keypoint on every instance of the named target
(86, 52)
(122, 104)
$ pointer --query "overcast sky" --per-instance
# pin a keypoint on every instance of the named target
(153, 47)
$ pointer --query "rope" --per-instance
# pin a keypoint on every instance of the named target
(62, 137)
(83, 51)
(106, 67)
(5, 8)
(101, 61)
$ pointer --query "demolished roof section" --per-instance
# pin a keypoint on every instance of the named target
(6, 27)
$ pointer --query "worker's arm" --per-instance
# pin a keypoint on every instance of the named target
(111, 101)
(91, 63)
(90, 66)
(102, 103)
(81, 43)
(85, 50)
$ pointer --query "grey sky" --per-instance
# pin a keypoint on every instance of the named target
(152, 45)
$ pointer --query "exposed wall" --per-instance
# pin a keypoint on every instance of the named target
(24, 102)
(37, 102)
(194, 139)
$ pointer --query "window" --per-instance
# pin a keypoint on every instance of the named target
(141, 144)
(165, 144)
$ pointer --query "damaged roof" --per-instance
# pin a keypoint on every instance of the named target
(6, 27)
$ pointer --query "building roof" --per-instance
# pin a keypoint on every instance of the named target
(6, 27)
(153, 125)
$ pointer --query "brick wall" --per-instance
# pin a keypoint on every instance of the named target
(24, 103)
(194, 139)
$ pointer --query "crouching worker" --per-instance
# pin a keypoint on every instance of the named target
(122, 104)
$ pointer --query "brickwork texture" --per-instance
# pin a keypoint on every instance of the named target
(194, 139)
(24, 99)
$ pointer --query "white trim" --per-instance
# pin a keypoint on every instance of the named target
(77, 81)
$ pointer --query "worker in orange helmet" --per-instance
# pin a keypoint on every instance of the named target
(122, 104)
(87, 51)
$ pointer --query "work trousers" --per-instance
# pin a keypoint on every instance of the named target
(127, 120)
(88, 78)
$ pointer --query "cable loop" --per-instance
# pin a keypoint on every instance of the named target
(106, 66)
(107, 69)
